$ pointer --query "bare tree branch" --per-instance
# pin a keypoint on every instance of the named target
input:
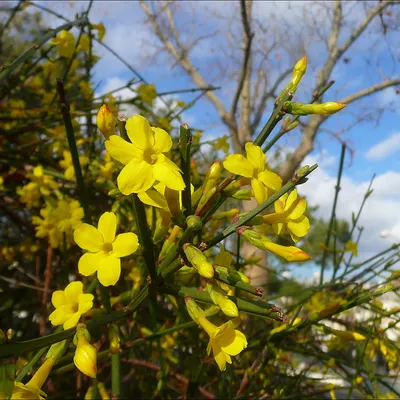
(248, 38)
(370, 90)
(363, 25)
(181, 56)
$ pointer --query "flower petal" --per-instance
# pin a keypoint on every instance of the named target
(256, 156)
(108, 226)
(58, 298)
(299, 209)
(163, 141)
(73, 291)
(109, 271)
(219, 357)
(60, 315)
(136, 177)
(279, 205)
(153, 198)
(85, 303)
(72, 321)
(121, 150)
(291, 199)
(89, 263)
(270, 179)
(125, 244)
(234, 347)
(238, 164)
(139, 132)
(168, 175)
(259, 190)
(299, 227)
(88, 237)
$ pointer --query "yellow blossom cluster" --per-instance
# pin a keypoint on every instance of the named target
(55, 222)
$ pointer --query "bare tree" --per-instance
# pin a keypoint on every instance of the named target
(254, 63)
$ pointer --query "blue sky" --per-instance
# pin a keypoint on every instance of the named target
(376, 145)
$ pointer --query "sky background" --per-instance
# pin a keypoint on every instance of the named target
(372, 59)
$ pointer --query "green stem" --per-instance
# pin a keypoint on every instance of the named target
(144, 236)
(272, 121)
(333, 215)
(255, 307)
(73, 149)
(115, 375)
(282, 131)
(12, 67)
(185, 143)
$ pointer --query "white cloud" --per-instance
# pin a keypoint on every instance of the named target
(385, 148)
(380, 211)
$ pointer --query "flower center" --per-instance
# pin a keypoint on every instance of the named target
(107, 247)
(149, 156)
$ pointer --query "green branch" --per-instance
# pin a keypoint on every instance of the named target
(12, 67)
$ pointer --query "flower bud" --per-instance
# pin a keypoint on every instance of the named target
(241, 194)
(113, 337)
(302, 171)
(193, 309)
(289, 253)
(106, 121)
(114, 192)
(212, 177)
(198, 261)
(172, 197)
(57, 350)
(254, 238)
(196, 195)
(347, 335)
(228, 307)
(226, 214)
(85, 358)
(298, 72)
(307, 109)
(10, 334)
(186, 275)
(193, 222)
(206, 196)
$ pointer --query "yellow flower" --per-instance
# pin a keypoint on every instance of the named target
(47, 226)
(46, 183)
(69, 215)
(106, 121)
(85, 358)
(225, 340)
(144, 158)
(252, 166)
(147, 93)
(347, 335)
(288, 214)
(68, 166)
(104, 249)
(66, 43)
(1, 183)
(352, 247)
(27, 391)
(222, 144)
(30, 194)
(70, 304)
(31, 390)
(87, 91)
(101, 30)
